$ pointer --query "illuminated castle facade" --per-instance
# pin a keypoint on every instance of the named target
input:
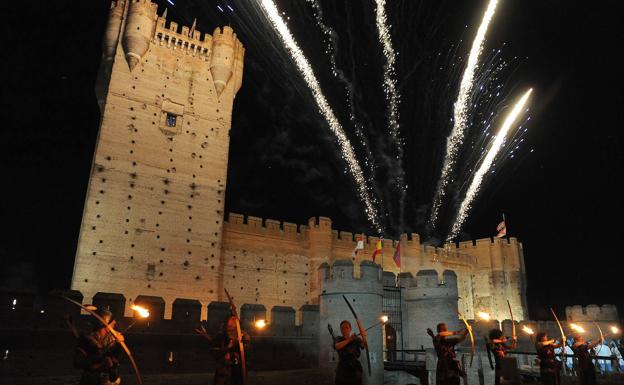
(153, 222)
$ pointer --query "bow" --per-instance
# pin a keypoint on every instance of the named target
(563, 337)
(114, 333)
(601, 337)
(472, 341)
(513, 323)
(362, 332)
(239, 335)
(600, 331)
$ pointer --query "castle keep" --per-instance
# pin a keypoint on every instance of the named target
(153, 222)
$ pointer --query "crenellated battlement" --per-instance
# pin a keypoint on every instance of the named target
(578, 313)
(169, 34)
(266, 227)
(482, 242)
(341, 277)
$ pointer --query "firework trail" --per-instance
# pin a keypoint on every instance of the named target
(303, 65)
(393, 99)
(460, 112)
(332, 50)
(487, 162)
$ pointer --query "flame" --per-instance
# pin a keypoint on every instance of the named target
(260, 324)
(484, 316)
(577, 328)
(143, 312)
(528, 330)
(614, 330)
(384, 318)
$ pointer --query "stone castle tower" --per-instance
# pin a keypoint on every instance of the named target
(365, 294)
(153, 215)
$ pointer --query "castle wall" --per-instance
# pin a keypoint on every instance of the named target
(263, 264)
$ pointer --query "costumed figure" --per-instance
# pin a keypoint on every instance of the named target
(229, 347)
(98, 352)
(550, 368)
(583, 353)
(498, 345)
(449, 370)
(349, 346)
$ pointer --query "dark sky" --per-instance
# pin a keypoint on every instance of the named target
(560, 200)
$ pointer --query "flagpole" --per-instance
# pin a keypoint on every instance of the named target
(504, 220)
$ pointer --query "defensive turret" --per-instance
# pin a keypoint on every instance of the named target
(111, 35)
(224, 44)
(139, 30)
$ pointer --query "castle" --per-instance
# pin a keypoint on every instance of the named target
(154, 221)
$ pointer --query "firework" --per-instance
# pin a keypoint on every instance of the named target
(475, 184)
(304, 67)
(332, 50)
(460, 111)
(392, 97)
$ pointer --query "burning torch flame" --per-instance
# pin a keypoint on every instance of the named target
(484, 316)
(577, 328)
(384, 318)
(143, 312)
(614, 330)
(260, 324)
(528, 330)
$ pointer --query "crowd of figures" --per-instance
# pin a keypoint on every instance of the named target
(613, 349)
(99, 349)
(98, 353)
(584, 358)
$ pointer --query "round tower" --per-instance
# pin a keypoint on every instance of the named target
(139, 29)
(429, 302)
(320, 246)
(365, 294)
(111, 35)
(223, 55)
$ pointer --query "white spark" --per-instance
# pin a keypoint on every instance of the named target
(306, 71)
(460, 112)
(488, 161)
(331, 50)
(392, 95)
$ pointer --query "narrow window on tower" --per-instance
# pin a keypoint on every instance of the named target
(171, 120)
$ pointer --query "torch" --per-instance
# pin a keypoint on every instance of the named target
(528, 331)
(141, 311)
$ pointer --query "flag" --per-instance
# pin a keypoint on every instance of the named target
(397, 255)
(358, 246)
(502, 229)
(193, 28)
(378, 248)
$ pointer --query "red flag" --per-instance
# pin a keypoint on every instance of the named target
(397, 255)
(502, 229)
(378, 248)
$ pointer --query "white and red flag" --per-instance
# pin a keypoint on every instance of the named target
(358, 246)
(502, 229)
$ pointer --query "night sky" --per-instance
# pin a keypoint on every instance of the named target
(558, 192)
